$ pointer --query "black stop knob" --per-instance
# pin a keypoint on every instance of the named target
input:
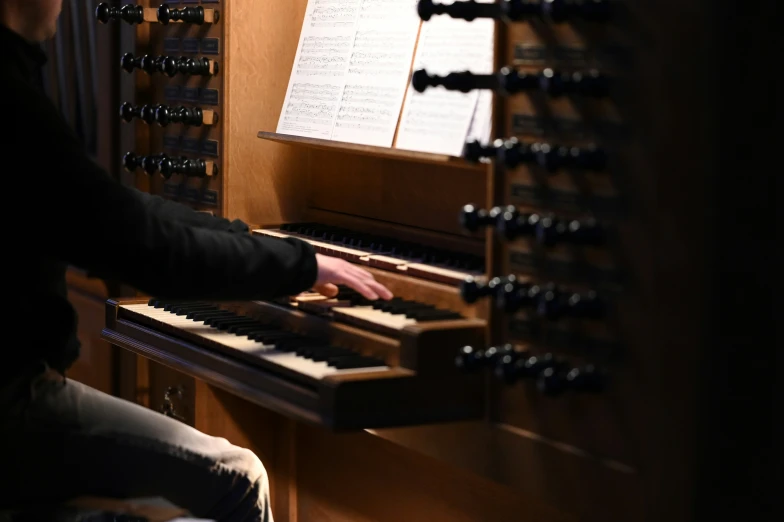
(195, 67)
(587, 379)
(188, 15)
(151, 164)
(471, 359)
(585, 232)
(557, 380)
(474, 151)
(104, 13)
(128, 112)
(457, 81)
(131, 14)
(512, 224)
(129, 62)
(585, 306)
(150, 64)
(558, 10)
(148, 114)
(131, 161)
(168, 65)
(472, 218)
(472, 290)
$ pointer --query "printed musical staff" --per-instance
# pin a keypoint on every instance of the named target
(361, 52)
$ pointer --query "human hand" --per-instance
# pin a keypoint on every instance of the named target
(333, 271)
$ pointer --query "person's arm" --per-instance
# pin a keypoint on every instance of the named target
(99, 225)
(186, 215)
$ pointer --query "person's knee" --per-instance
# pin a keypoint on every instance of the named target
(250, 495)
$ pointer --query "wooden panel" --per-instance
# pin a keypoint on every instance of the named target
(361, 478)
(172, 392)
(393, 191)
(264, 180)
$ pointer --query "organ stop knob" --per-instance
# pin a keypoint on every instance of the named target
(471, 290)
(471, 359)
(188, 15)
(518, 10)
(585, 379)
(472, 218)
(131, 14)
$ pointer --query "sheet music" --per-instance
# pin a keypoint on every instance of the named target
(351, 70)
(439, 121)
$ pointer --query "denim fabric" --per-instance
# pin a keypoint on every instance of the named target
(60, 439)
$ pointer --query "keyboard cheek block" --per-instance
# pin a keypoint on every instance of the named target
(340, 374)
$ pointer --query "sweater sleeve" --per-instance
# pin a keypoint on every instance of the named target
(103, 227)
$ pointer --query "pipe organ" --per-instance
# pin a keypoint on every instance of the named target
(543, 344)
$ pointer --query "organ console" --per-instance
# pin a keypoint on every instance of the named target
(553, 283)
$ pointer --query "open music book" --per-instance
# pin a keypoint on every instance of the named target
(350, 81)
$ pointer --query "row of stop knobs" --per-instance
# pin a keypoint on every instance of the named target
(549, 301)
(168, 166)
(509, 81)
(134, 14)
(512, 153)
(165, 115)
(546, 229)
(553, 375)
(169, 65)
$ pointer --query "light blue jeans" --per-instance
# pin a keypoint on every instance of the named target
(60, 439)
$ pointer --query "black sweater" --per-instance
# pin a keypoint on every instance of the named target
(68, 211)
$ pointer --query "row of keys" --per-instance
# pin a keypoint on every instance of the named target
(383, 252)
(311, 357)
(165, 115)
(557, 11)
(546, 300)
(548, 230)
(553, 375)
(168, 166)
(386, 317)
(169, 65)
(509, 81)
(512, 153)
(136, 14)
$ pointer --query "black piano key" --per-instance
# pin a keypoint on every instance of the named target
(251, 328)
(290, 345)
(215, 321)
(168, 306)
(183, 310)
(271, 337)
(225, 324)
(433, 315)
(323, 353)
(201, 316)
(358, 361)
